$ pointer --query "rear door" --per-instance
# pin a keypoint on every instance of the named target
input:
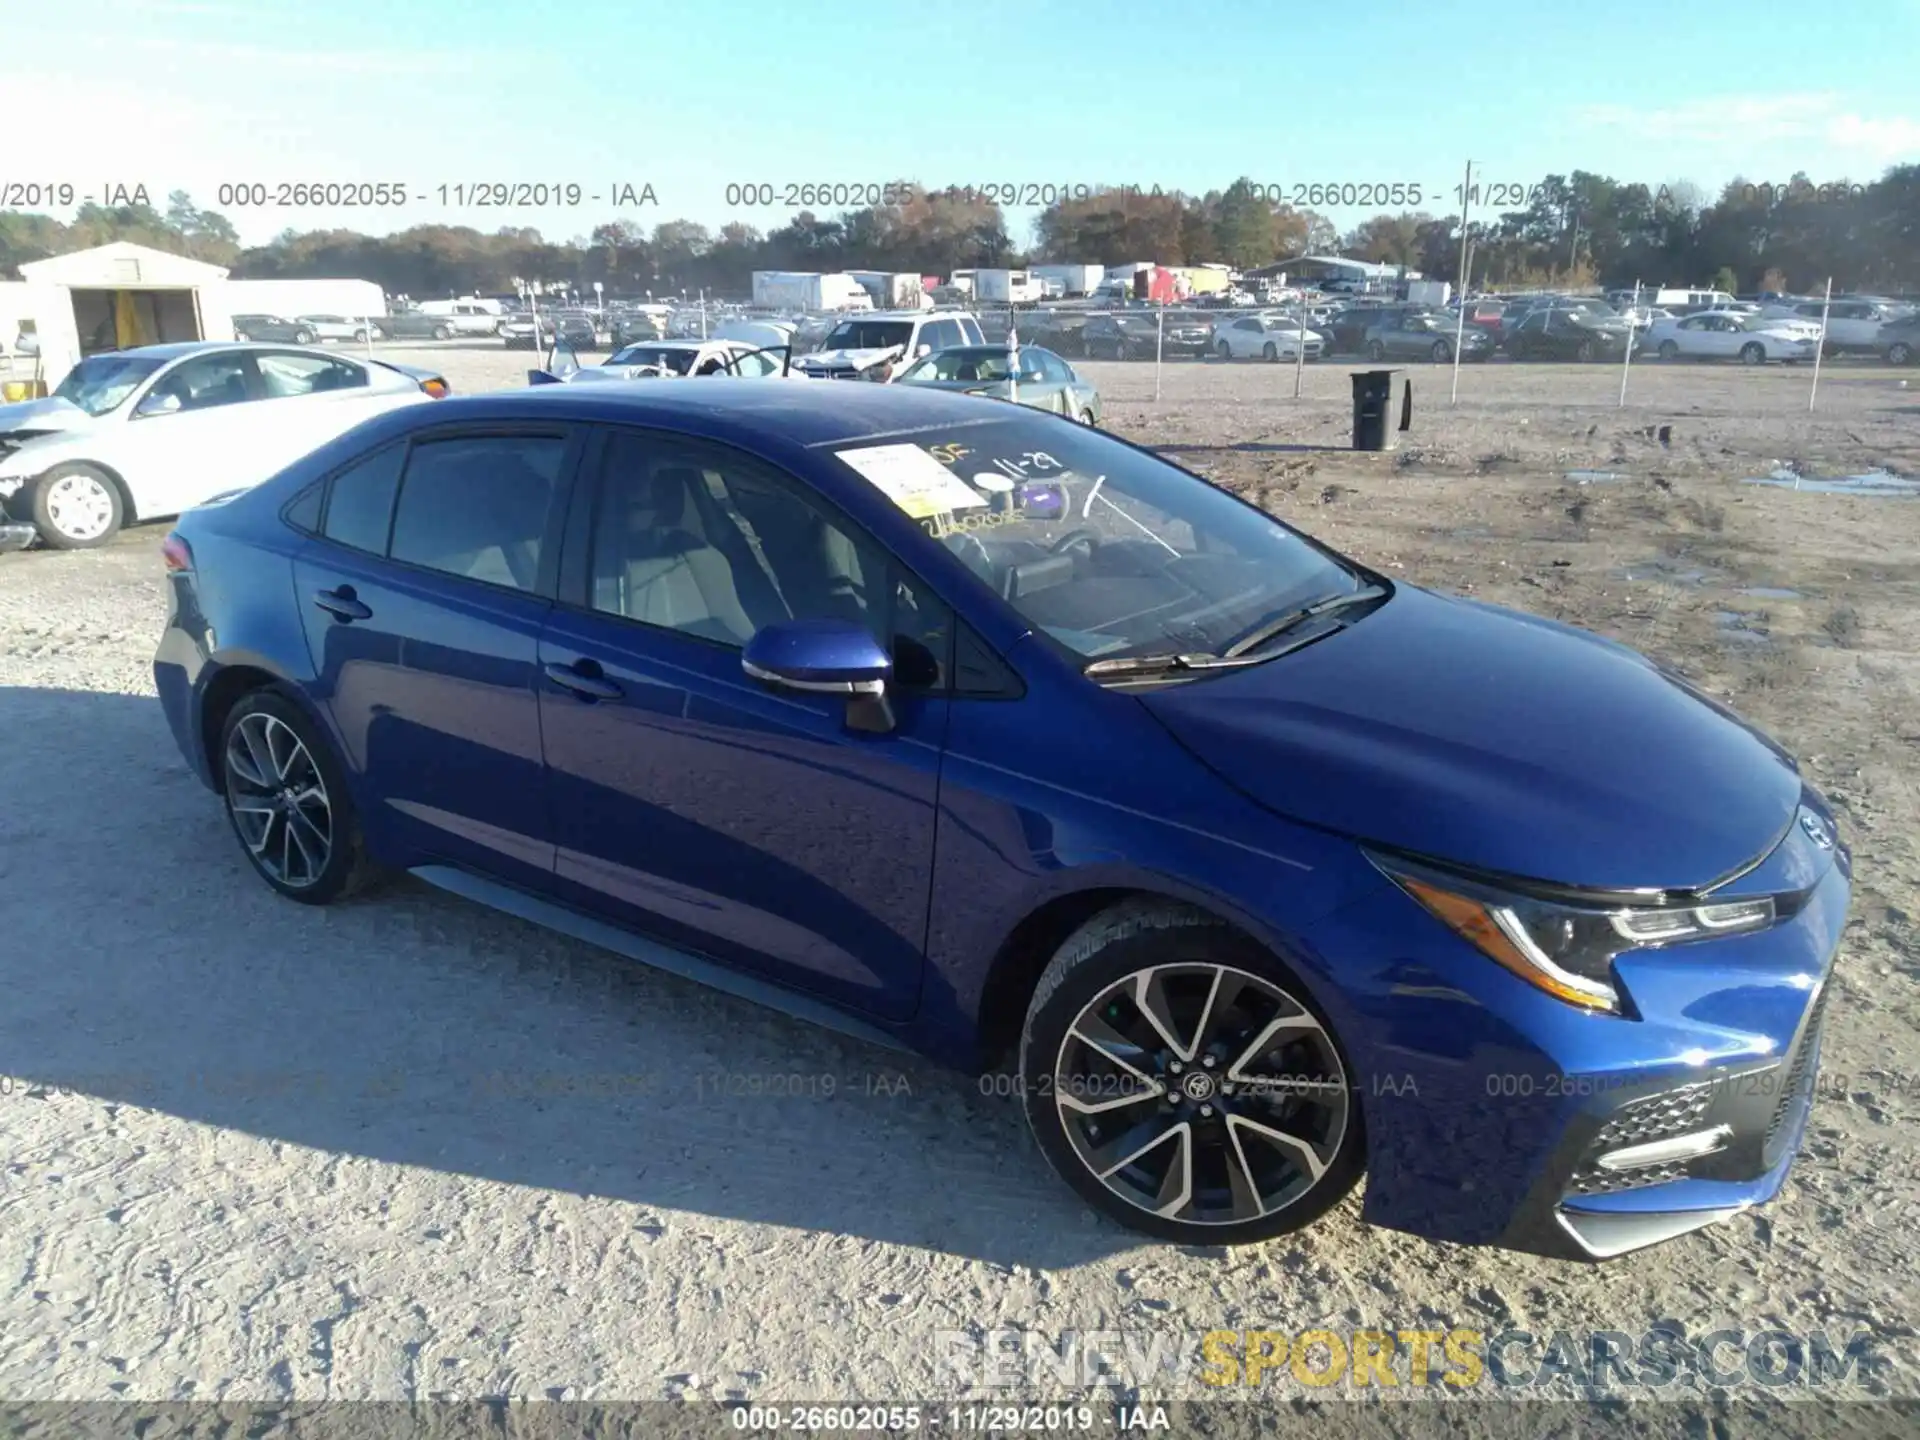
(693, 803)
(423, 600)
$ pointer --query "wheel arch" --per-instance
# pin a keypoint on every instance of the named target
(232, 681)
(1030, 945)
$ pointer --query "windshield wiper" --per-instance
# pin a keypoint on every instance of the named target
(1280, 624)
(1154, 664)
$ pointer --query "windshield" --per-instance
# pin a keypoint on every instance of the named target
(1105, 548)
(869, 335)
(674, 358)
(980, 365)
(100, 382)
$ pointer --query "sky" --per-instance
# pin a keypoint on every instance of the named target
(689, 98)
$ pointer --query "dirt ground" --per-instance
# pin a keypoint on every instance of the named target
(407, 1148)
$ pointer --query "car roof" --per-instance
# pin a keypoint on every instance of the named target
(809, 412)
(177, 349)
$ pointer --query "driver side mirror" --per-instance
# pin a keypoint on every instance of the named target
(826, 657)
(157, 402)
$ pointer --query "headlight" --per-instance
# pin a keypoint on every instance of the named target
(1565, 948)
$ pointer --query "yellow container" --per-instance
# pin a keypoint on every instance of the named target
(14, 391)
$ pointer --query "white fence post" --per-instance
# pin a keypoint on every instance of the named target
(1626, 361)
(1159, 347)
(1821, 349)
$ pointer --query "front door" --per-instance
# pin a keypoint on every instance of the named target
(691, 802)
(423, 602)
(186, 439)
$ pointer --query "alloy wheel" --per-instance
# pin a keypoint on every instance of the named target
(79, 506)
(279, 800)
(1201, 1093)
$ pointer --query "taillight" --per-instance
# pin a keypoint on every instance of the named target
(437, 388)
(176, 554)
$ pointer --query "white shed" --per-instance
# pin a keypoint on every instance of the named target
(117, 296)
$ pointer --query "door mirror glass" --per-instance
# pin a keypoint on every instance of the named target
(824, 657)
(157, 402)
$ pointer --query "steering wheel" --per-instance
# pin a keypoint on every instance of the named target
(1079, 535)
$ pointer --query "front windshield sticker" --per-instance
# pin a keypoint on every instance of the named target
(912, 479)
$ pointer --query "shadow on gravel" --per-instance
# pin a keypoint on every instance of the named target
(146, 965)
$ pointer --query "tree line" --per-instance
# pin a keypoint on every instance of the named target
(1577, 229)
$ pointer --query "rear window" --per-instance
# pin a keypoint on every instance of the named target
(360, 501)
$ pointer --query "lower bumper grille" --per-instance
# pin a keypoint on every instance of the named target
(1799, 1068)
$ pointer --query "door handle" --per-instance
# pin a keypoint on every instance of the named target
(588, 684)
(342, 604)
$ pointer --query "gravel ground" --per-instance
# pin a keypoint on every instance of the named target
(406, 1148)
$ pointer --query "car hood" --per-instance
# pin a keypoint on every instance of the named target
(42, 417)
(1495, 740)
(856, 359)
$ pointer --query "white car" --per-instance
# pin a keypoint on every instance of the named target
(342, 327)
(1719, 335)
(1851, 324)
(136, 434)
(1265, 337)
(655, 358)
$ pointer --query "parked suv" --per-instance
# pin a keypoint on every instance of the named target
(1853, 326)
(1900, 339)
(880, 345)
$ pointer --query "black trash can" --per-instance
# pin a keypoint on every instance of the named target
(1373, 427)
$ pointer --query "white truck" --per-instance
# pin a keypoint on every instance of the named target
(1007, 287)
(805, 290)
(1429, 292)
(468, 315)
(1075, 280)
(893, 289)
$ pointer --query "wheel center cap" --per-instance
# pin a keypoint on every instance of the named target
(1197, 1085)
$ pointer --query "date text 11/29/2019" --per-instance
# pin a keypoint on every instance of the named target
(982, 1418)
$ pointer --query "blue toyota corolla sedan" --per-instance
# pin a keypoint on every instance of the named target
(975, 730)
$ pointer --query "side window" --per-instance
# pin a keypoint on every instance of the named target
(749, 363)
(1053, 369)
(970, 332)
(292, 373)
(1246, 324)
(477, 506)
(716, 544)
(210, 381)
(360, 501)
(303, 511)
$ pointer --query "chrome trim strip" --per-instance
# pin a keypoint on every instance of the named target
(1604, 1236)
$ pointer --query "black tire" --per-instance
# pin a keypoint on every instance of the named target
(1086, 418)
(443, 332)
(1669, 350)
(1830, 351)
(360, 337)
(346, 870)
(1090, 967)
(1900, 353)
(303, 336)
(1753, 353)
(52, 496)
(1586, 352)
(1270, 352)
(1376, 352)
(1442, 352)
(1224, 350)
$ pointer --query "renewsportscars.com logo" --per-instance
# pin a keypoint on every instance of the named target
(1409, 1360)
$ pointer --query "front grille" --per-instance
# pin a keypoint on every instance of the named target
(1796, 1077)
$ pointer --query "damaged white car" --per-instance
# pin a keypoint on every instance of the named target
(135, 434)
(881, 346)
